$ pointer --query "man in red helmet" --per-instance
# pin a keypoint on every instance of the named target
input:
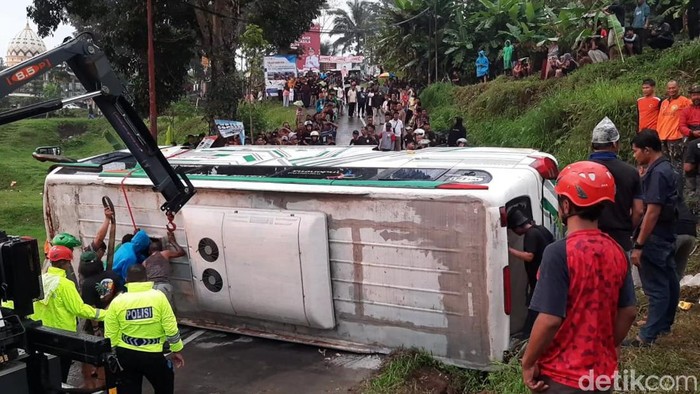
(62, 303)
(584, 296)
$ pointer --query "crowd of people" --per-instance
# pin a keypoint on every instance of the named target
(615, 36)
(391, 114)
(627, 225)
(130, 303)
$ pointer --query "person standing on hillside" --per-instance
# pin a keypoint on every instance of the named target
(689, 124)
(584, 296)
(654, 242)
(668, 126)
(482, 67)
(648, 106)
(640, 23)
(535, 240)
(620, 218)
(458, 131)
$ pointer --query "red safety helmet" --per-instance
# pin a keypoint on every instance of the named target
(58, 253)
(586, 183)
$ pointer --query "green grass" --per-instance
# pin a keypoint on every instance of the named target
(558, 115)
(21, 206)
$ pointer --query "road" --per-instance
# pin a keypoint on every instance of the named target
(217, 362)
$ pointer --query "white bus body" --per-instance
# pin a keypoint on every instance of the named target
(338, 247)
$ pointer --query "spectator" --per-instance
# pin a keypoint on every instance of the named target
(458, 131)
(622, 216)
(535, 239)
(648, 106)
(662, 37)
(361, 102)
(397, 126)
(584, 296)
(158, 264)
(482, 67)
(689, 124)
(668, 124)
(355, 137)
(315, 138)
(686, 234)
(631, 42)
(567, 65)
(352, 100)
(654, 244)
(640, 24)
(387, 139)
(595, 53)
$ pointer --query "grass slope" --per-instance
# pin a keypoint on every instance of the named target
(21, 205)
(558, 115)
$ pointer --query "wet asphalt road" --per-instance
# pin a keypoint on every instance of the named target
(218, 362)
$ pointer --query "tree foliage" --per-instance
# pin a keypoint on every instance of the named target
(410, 34)
(120, 30)
(184, 30)
(354, 25)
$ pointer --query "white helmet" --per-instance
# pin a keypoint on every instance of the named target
(419, 132)
(314, 134)
(462, 141)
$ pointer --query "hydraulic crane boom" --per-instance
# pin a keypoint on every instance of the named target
(91, 67)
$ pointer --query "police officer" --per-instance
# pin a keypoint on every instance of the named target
(62, 303)
(138, 323)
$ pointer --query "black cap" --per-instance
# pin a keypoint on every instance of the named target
(695, 88)
(517, 219)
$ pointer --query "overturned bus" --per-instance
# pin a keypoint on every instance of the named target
(338, 247)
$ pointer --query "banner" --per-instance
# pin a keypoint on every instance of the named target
(342, 59)
(230, 128)
(278, 69)
(309, 46)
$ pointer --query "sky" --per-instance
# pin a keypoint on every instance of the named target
(13, 18)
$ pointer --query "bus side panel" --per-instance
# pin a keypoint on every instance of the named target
(406, 271)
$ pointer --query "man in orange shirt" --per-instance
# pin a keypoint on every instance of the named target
(648, 106)
(689, 124)
(668, 126)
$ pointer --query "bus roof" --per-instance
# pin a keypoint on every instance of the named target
(343, 156)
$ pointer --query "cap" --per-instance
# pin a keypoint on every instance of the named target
(355, 132)
(308, 123)
(419, 132)
(314, 133)
(605, 132)
(517, 219)
(88, 256)
(695, 88)
(462, 140)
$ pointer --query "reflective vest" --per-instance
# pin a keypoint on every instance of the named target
(142, 320)
(62, 303)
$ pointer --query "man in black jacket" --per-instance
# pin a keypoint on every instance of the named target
(536, 239)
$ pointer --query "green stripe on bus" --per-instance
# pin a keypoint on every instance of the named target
(249, 158)
(299, 181)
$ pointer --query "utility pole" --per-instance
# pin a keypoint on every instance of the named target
(437, 78)
(153, 108)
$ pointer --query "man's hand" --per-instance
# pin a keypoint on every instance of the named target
(636, 257)
(109, 215)
(530, 375)
(178, 360)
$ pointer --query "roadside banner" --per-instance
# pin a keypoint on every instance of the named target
(230, 128)
(342, 59)
(309, 48)
(278, 69)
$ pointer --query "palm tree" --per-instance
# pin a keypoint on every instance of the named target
(352, 26)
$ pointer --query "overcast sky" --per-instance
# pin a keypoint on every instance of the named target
(13, 18)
